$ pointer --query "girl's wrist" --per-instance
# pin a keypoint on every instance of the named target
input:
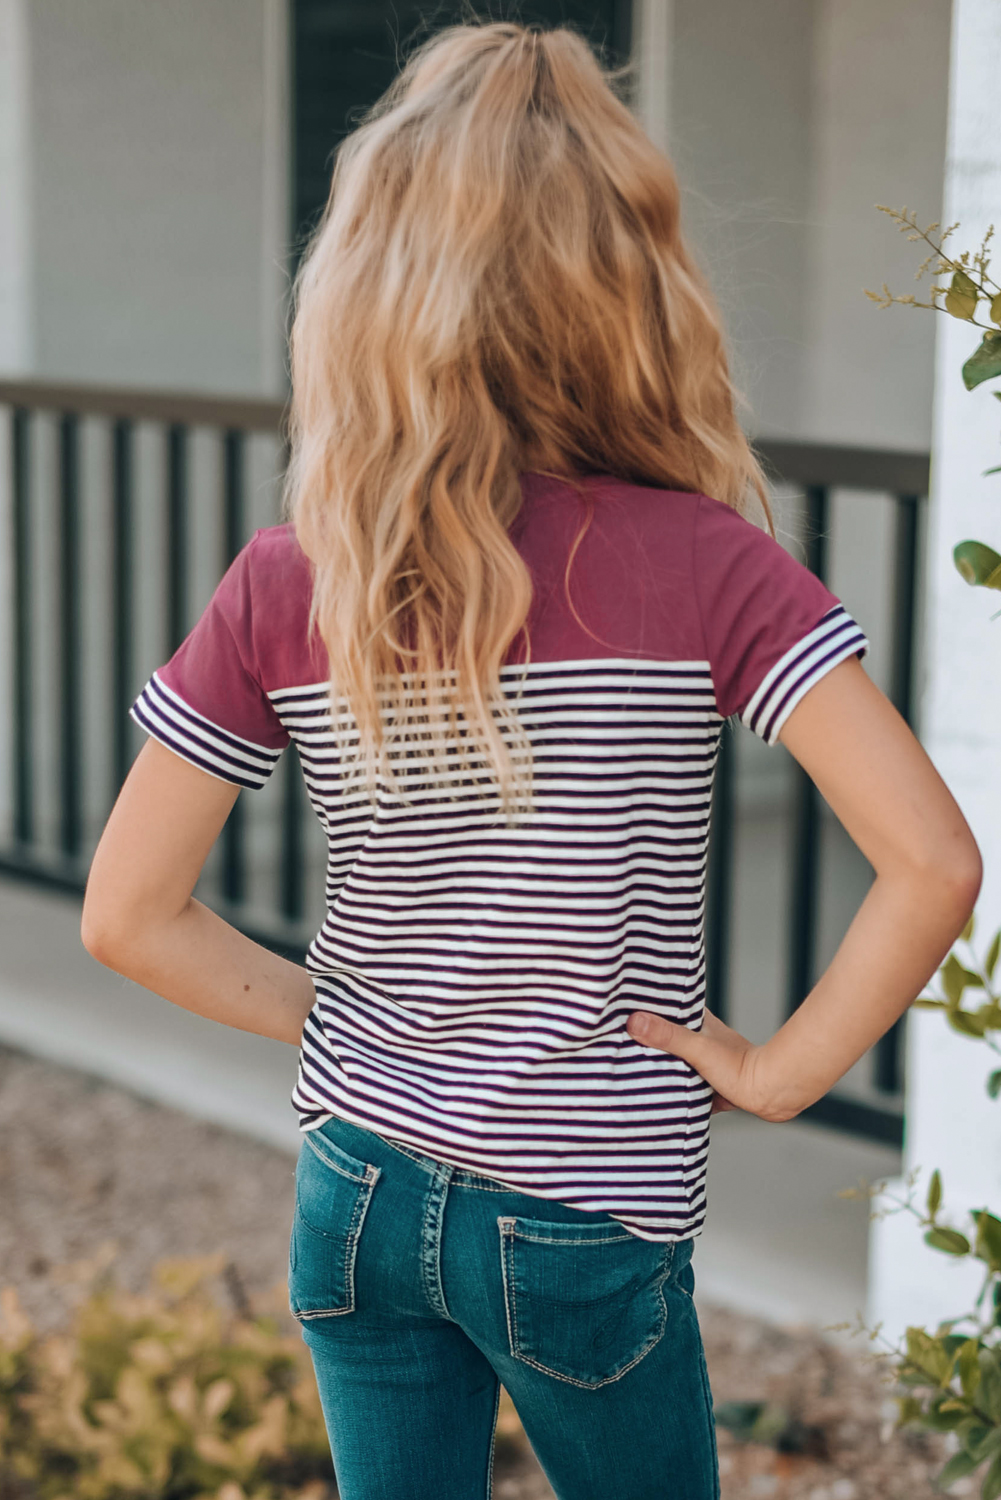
(780, 1090)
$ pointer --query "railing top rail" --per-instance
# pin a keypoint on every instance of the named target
(898, 472)
(188, 407)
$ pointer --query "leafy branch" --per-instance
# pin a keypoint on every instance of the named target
(955, 978)
(970, 286)
(970, 290)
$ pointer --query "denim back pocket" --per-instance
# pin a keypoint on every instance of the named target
(332, 1194)
(584, 1302)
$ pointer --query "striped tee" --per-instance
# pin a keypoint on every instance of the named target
(473, 979)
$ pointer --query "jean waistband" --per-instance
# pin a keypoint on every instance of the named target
(356, 1139)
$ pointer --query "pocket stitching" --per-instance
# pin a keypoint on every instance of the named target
(353, 1235)
(337, 1166)
(508, 1232)
(541, 1239)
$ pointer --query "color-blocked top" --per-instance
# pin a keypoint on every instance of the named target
(473, 979)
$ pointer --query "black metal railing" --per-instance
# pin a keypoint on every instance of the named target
(267, 872)
(59, 856)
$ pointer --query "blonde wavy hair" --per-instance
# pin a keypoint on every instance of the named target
(498, 284)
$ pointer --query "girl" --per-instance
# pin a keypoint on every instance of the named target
(517, 598)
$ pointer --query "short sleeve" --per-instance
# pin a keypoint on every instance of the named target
(772, 630)
(207, 703)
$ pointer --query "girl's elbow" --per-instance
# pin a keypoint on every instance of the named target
(97, 937)
(962, 874)
(102, 934)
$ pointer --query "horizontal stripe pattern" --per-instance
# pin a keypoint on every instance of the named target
(836, 638)
(474, 978)
(165, 715)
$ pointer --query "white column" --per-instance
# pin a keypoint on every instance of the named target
(15, 203)
(951, 1124)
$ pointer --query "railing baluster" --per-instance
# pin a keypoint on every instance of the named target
(177, 535)
(24, 739)
(905, 566)
(719, 883)
(70, 654)
(806, 806)
(123, 624)
(234, 863)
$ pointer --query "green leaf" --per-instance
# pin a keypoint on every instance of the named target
(991, 1487)
(926, 1353)
(944, 1418)
(996, 309)
(988, 1243)
(989, 1399)
(961, 298)
(990, 963)
(994, 1084)
(967, 931)
(950, 1241)
(983, 1442)
(934, 1199)
(739, 1417)
(967, 1024)
(978, 564)
(927, 1003)
(959, 1465)
(976, 1438)
(910, 1410)
(955, 976)
(968, 1368)
(985, 361)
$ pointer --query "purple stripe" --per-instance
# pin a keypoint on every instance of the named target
(242, 753)
(224, 774)
(839, 651)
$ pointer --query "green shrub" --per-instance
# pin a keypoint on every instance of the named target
(159, 1396)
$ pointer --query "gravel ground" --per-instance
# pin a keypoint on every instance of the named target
(83, 1164)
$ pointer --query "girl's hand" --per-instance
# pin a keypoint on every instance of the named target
(728, 1062)
(876, 778)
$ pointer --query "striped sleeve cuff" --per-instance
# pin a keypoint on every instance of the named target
(165, 716)
(832, 641)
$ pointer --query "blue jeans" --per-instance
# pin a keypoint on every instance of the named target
(421, 1288)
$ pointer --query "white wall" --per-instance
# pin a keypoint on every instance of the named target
(157, 161)
(880, 73)
(740, 97)
(789, 120)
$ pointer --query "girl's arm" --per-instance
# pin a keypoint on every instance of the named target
(140, 919)
(880, 783)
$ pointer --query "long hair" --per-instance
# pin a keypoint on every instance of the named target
(498, 283)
